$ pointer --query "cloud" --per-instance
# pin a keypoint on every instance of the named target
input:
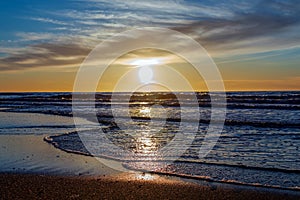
(33, 36)
(270, 55)
(224, 28)
(48, 20)
(99, 17)
(44, 55)
(165, 8)
(267, 26)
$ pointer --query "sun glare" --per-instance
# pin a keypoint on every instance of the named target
(145, 62)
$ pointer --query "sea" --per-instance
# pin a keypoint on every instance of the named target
(259, 144)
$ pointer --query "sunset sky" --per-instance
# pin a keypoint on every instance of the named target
(255, 44)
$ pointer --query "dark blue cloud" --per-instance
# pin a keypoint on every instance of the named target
(276, 20)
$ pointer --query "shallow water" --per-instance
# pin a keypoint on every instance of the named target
(23, 149)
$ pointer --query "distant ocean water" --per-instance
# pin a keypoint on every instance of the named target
(259, 144)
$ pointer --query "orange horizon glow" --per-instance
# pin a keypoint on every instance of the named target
(62, 80)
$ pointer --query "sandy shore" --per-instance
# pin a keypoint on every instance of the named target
(22, 186)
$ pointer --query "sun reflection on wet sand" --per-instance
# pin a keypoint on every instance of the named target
(145, 176)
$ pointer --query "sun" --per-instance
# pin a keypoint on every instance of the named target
(145, 72)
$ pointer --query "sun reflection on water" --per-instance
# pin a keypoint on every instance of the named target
(146, 145)
(145, 111)
(149, 132)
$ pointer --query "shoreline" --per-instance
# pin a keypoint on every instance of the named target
(124, 186)
(194, 178)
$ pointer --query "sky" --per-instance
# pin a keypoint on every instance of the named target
(255, 44)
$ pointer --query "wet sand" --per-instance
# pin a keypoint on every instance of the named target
(22, 186)
(30, 154)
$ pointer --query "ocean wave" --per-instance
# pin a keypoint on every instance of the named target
(216, 172)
